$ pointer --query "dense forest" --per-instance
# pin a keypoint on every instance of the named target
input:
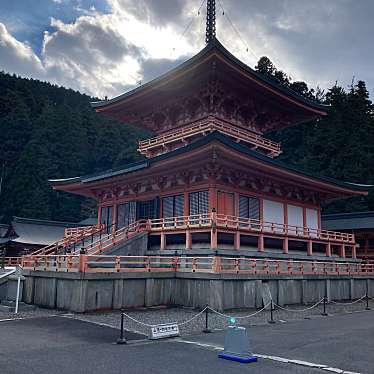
(51, 132)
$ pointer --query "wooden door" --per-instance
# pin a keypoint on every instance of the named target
(225, 203)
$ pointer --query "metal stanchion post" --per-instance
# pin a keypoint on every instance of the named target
(122, 339)
(324, 306)
(206, 329)
(271, 312)
(367, 295)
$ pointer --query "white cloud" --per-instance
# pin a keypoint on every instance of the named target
(105, 54)
(17, 57)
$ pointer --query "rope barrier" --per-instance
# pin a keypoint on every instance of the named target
(240, 317)
(300, 310)
(178, 323)
(353, 302)
(223, 315)
(191, 319)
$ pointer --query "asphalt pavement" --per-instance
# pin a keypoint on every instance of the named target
(61, 345)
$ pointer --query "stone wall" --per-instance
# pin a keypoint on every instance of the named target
(104, 291)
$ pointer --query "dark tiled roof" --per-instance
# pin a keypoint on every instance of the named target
(348, 221)
(39, 232)
(201, 142)
(215, 44)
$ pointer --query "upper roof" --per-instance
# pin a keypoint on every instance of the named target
(129, 106)
(348, 221)
(225, 141)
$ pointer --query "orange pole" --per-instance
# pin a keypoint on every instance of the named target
(82, 263)
(342, 250)
(310, 248)
(328, 249)
(163, 241)
(188, 239)
(285, 245)
(237, 240)
(354, 251)
(261, 243)
(213, 231)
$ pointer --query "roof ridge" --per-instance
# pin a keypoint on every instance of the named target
(44, 221)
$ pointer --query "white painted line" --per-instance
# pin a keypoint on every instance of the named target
(12, 319)
(334, 370)
(31, 317)
(72, 316)
(273, 358)
(308, 364)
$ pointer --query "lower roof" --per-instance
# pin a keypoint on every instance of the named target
(348, 221)
(214, 136)
(37, 231)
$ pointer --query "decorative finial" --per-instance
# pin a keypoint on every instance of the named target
(210, 21)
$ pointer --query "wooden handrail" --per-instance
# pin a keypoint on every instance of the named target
(71, 236)
(205, 126)
(212, 264)
(198, 222)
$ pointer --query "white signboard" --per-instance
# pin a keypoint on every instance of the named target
(168, 330)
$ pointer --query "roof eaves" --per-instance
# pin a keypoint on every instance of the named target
(350, 215)
(215, 44)
(115, 172)
(64, 181)
(44, 222)
(215, 135)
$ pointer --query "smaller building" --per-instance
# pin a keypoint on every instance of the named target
(26, 235)
(361, 224)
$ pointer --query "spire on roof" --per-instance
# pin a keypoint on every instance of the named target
(210, 21)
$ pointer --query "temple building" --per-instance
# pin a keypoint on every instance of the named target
(26, 235)
(361, 224)
(210, 179)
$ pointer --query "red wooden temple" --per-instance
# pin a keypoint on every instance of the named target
(210, 180)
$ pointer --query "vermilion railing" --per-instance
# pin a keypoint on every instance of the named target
(72, 235)
(101, 241)
(108, 240)
(205, 126)
(83, 231)
(11, 261)
(213, 264)
(247, 225)
(254, 225)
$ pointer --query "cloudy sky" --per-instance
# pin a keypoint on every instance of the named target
(105, 47)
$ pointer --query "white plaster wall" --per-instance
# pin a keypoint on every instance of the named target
(312, 218)
(273, 212)
(295, 217)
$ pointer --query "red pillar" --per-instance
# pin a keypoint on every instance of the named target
(354, 251)
(188, 239)
(114, 217)
(285, 245)
(328, 249)
(305, 223)
(186, 207)
(163, 241)
(212, 198)
(237, 240)
(342, 251)
(261, 247)
(285, 219)
(99, 214)
(213, 231)
(310, 247)
(82, 263)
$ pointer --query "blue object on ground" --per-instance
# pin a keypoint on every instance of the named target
(236, 346)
